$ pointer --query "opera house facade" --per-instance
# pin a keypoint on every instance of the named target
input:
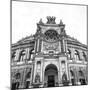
(49, 58)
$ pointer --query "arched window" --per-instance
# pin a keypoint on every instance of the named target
(17, 75)
(69, 54)
(13, 56)
(84, 56)
(72, 73)
(28, 76)
(31, 53)
(22, 54)
(27, 84)
(72, 77)
(82, 78)
(76, 55)
(16, 84)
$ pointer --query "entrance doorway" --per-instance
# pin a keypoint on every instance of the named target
(82, 78)
(15, 86)
(51, 81)
(51, 76)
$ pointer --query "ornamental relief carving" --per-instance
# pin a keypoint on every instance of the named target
(51, 46)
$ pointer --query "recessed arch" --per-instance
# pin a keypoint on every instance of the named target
(72, 77)
(77, 55)
(69, 54)
(17, 75)
(51, 75)
(27, 78)
(81, 77)
(84, 56)
(22, 54)
(16, 84)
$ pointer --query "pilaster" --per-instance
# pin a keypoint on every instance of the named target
(72, 53)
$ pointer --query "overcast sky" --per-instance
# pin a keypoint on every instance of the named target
(25, 15)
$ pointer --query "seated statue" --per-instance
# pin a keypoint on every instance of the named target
(37, 78)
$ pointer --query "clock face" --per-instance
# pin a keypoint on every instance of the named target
(51, 35)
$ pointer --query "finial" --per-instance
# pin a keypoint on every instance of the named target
(61, 23)
(40, 22)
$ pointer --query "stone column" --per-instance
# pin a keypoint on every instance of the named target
(59, 73)
(62, 46)
(72, 53)
(67, 67)
(25, 56)
(85, 74)
(17, 55)
(76, 75)
(28, 54)
(35, 47)
(43, 73)
(65, 45)
(38, 42)
(59, 79)
(42, 76)
(23, 77)
(42, 46)
(32, 74)
(59, 46)
(35, 68)
(41, 70)
(31, 77)
(69, 75)
(81, 55)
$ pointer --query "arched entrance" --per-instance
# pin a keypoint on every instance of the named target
(16, 83)
(27, 80)
(72, 75)
(51, 75)
(82, 78)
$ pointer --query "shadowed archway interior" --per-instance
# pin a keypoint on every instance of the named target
(51, 75)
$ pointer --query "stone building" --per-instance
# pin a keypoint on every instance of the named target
(48, 58)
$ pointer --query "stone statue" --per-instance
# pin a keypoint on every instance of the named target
(51, 20)
(64, 80)
(37, 78)
(61, 23)
(40, 22)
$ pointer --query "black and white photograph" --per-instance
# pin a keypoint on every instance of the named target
(49, 46)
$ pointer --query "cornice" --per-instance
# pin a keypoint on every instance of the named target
(76, 44)
(73, 41)
(51, 25)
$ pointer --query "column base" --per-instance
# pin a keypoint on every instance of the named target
(70, 84)
(41, 86)
(60, 84)
(30, 86)
(78, 83)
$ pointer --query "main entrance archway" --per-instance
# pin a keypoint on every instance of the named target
(51, 75)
